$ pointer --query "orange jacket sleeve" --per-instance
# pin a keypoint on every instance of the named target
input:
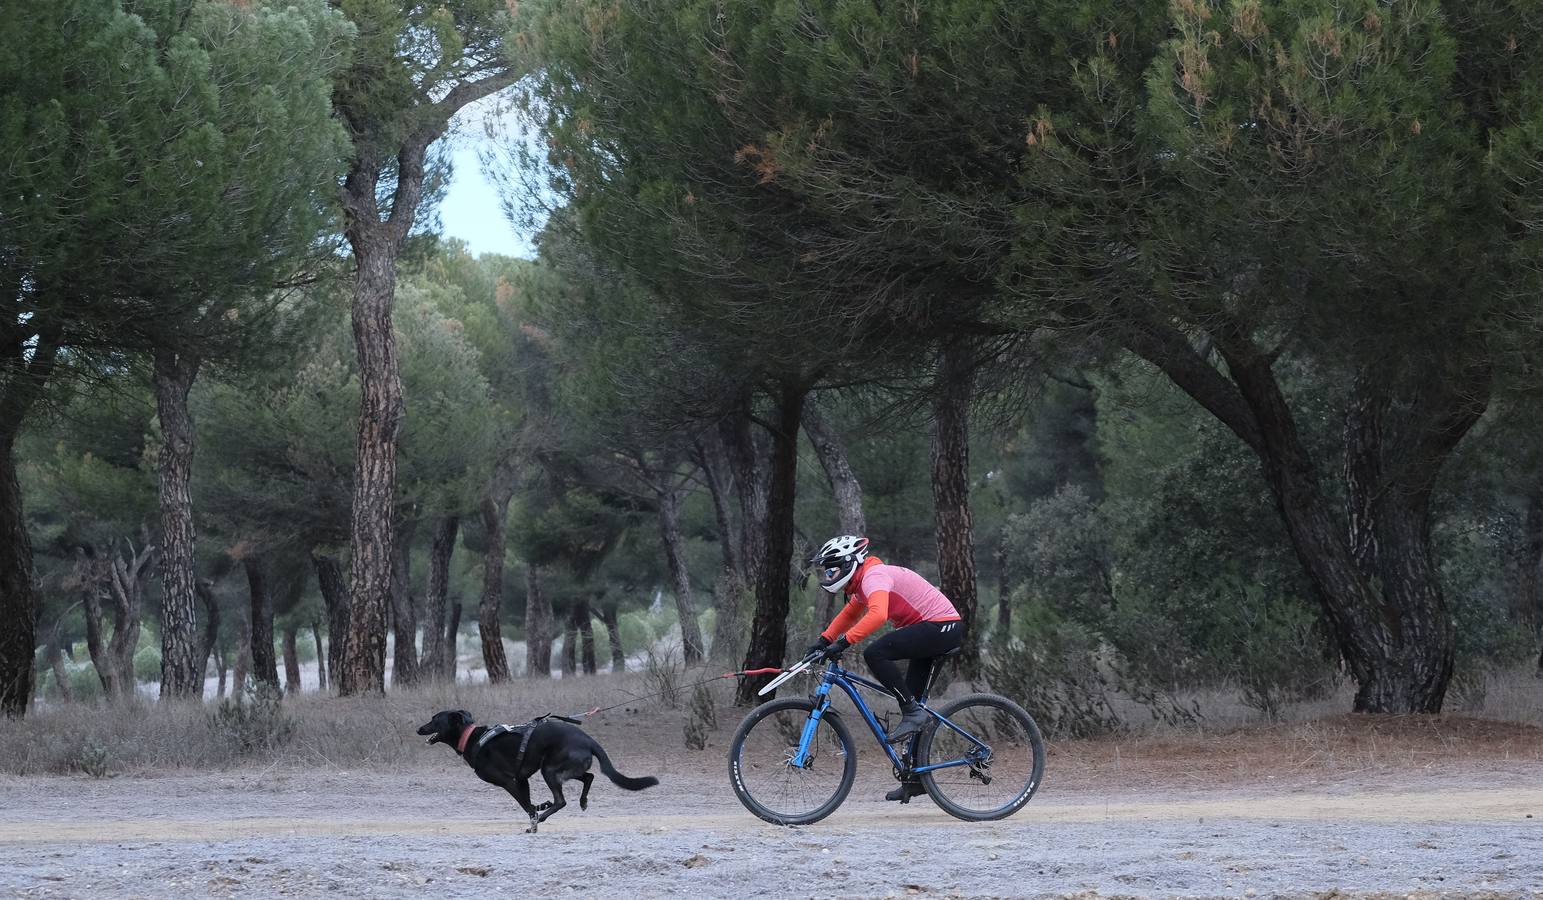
(844, 619)
(877, 614)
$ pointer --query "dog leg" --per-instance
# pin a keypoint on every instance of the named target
(520, 791)
(588, 780)
(553, 780)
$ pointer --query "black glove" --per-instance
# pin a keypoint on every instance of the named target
(818, 646)
(834, 651)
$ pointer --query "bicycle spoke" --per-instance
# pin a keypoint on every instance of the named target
(768, 777)
(998, 779)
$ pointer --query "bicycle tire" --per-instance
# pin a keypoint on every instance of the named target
(948, 793)
(741, 769)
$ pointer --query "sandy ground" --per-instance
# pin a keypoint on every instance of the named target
(1112, 826)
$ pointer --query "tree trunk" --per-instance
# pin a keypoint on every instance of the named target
(126, 577)
(951, 498)
(495, 508)
(680, 578)
(205, 591)
(23, 374)
(712, 457)
(452, 632)
(1527, 605)
(570, 646)
(334, 595)
(381, 412)
(583, 620)
(291, 659)
(538, 625)
(440, 551)
(844, 485)
(321, 656)
(404, 613)
(1004, 597)
(18, 606)
(243, 660)
(61, 676)
(181, 666)
(264, 664)
(751, 489)
(612, 622)
(91, 575)
(769, 628)
(729, 595)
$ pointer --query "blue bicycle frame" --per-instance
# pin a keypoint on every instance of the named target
(848, 681)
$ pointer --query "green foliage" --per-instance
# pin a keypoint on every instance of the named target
(164, 155)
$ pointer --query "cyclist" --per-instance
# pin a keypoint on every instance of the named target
(926, 626)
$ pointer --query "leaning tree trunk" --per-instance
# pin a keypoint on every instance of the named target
(844, 485)
(264, 664)
(61, 676)
(404, 614)
(291, 659)
(495, 508)
(612, 622)
(538, 625)
(769, 628)
(680, 578)
(1004, 597)
(334, 595)
(1373, 570)
(951, 498)
(18, 606)
(440, 551)
(181, 665)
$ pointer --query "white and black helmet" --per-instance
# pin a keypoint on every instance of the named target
(838, 559)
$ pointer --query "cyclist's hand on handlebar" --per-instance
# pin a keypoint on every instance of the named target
(834, 651)
(818, 646)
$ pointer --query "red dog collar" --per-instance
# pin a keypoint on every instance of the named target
(460, 746)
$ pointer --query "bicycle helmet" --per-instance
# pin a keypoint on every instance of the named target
(838, 560)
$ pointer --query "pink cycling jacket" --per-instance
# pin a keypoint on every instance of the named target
(894, 593)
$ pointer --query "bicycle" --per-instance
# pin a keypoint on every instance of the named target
(799, 750)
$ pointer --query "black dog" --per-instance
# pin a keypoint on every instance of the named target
(508, 758)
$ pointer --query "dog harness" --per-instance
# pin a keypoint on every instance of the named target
(524, 731)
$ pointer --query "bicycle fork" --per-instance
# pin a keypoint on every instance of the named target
(811, 724)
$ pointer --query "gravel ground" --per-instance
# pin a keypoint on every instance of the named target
(298, 833)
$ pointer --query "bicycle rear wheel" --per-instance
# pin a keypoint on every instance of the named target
(761, 763)
(998, 779)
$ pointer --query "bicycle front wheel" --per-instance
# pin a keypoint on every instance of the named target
(991, 782)
(763, 774)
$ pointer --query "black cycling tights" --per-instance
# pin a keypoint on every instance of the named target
(918, 643)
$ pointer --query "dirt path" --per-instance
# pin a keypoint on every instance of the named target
(301, 834)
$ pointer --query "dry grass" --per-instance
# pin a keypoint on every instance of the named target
(1230, 745)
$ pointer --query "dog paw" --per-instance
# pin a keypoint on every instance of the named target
(543, 806)
(583, 804)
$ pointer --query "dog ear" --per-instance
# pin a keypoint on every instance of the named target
(465, 717)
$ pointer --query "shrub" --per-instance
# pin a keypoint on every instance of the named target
(93, 758)
(662, 670)
(252, 722)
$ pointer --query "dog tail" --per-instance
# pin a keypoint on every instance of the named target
(617, 778)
